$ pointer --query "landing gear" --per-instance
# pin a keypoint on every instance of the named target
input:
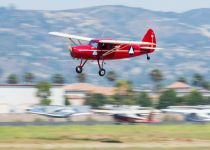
(148, 58)
(80, 67)
(102, 71)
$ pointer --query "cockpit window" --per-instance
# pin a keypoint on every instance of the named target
(94, 44)
(104, 46)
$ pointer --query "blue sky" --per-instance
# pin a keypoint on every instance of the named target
(163, 5)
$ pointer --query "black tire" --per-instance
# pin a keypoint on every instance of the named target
(79, 69)
(102, 72)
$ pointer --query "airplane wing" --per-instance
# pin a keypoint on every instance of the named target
(125, 42)
(70, 36)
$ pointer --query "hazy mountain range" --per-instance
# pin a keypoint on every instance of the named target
(25, 45)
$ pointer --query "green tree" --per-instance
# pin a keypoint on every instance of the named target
(117, 99)
(143, 99)
(206, 101)
(111, 100)
(181, 101)
(95, 100)
(197, 79)
(156, 76)
(81, 77)
(124, 87)
(127, 100)
(182, 79)
(194, 98)
(45, 102)
(58, 79)
(167, 98)
(206, 85)
(124, 93)
(12, 79)
(28, 77)
(43, 92)
(111, 76)
(66, 101)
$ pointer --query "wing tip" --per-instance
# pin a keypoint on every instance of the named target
(53, 33)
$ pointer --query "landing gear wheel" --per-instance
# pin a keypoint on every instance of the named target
(102, 72)
(79, 69)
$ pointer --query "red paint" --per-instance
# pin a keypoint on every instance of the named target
(133, 119)
(86, 51)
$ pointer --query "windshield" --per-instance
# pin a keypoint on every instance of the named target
(94, 44)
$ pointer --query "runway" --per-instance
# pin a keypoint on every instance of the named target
(64, 123)
(169, 144)
(52, 123)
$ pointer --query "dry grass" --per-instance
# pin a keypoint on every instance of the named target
(104, 133)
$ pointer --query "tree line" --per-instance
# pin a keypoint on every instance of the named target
(125, 94)
(156, 76)
(29, 77)
(197, 80)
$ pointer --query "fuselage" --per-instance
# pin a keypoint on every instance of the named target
(95, 51)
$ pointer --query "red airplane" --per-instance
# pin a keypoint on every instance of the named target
(135, 118)
(107, 49)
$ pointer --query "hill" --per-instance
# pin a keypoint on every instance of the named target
(25, 45)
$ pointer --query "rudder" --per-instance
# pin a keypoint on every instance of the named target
(150, 37)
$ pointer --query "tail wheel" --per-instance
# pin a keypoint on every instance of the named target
(79, 69)
(148, 57)
(102, 72)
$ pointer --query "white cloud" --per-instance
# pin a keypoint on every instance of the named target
(52, 48)
(205, 32)
(7, 30)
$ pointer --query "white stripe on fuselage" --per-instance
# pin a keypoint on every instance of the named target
(87, 50)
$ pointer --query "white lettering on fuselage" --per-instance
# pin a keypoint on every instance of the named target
(95, 53)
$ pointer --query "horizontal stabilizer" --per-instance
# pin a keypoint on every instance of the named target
(155, 48)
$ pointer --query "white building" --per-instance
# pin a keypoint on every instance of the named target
(16, 98)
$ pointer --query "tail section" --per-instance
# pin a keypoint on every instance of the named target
(150, 37)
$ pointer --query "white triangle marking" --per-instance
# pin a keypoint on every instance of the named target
(131, 50)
